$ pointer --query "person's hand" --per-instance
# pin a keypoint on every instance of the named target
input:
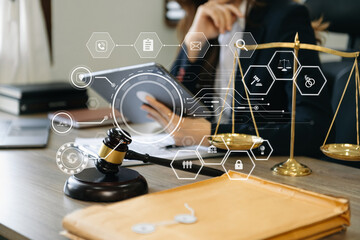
(212, 18)
(196, 128)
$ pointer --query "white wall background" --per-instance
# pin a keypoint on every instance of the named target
(75, 20)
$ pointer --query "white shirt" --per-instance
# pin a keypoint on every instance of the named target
(225, 66)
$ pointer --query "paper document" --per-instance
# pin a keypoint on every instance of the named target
(154, 149)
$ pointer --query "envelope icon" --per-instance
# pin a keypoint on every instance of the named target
(195, 46)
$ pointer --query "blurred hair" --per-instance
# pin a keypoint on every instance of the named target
(319, 26)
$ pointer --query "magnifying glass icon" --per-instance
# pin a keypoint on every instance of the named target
(240, 43)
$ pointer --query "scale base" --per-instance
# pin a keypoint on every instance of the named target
(291, 168)
(91, 185)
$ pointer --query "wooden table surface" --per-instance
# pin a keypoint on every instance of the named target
(32, 202)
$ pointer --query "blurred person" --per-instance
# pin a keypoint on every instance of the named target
(268, 21)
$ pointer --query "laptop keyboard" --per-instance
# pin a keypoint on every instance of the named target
(24, 131)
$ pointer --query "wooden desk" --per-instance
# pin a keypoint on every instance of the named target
(32, 203)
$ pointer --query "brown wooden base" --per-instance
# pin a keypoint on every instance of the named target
(91, 185)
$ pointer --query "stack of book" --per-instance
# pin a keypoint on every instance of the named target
(43, 97)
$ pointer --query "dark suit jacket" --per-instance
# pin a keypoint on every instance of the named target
(278, 21)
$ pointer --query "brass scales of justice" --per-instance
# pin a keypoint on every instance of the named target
(238, 141)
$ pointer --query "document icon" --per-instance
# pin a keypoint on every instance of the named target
(148, 45)
(195, 46)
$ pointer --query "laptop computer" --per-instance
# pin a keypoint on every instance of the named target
(24, 132)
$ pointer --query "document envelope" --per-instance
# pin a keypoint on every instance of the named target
(225, 209)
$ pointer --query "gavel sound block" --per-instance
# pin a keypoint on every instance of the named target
(107, 181)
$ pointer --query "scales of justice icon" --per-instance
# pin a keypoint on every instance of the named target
(239, 141)
(284, 65)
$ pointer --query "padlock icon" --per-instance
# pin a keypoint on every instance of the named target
(239, 165)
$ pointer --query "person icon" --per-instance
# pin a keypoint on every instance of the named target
(187, 164)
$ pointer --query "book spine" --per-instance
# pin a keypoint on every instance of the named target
(10, 92)
(9, 105)
(51, 94)
(13, 92)
(52, 105)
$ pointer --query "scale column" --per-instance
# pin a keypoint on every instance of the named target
(291, 167)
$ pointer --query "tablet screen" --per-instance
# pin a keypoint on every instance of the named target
(126, 89)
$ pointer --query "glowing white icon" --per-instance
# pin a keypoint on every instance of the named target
(195, 46)
(148, 45)
(256, 81)
(239, 165)
(309, 82)
(72, 158)
(62, 124)
(101, 45)
(240, 43)
(187, 164)
(262, 150)
(80, 77)
(212, 149)
(284, 65)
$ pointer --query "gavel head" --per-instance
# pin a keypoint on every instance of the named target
(112, 151)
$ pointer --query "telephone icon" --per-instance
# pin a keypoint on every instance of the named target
(101, 45)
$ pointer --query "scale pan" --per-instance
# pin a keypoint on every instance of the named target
(235, 141)
(342, 151)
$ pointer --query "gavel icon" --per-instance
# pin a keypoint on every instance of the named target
(108, 181)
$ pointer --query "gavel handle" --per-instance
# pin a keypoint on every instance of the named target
(207, 171)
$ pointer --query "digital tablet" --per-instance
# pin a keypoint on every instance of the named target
(126, 89)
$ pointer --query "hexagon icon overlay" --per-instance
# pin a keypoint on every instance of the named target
(100, 45)
(198, 46)
(238, 43)
(209, 150)
(310, 80)
(188, 141)
(238, 163)
(263, 152)
(148, 45)
(186, 164)
(281, 65)
(92, 103)
(258, 80)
